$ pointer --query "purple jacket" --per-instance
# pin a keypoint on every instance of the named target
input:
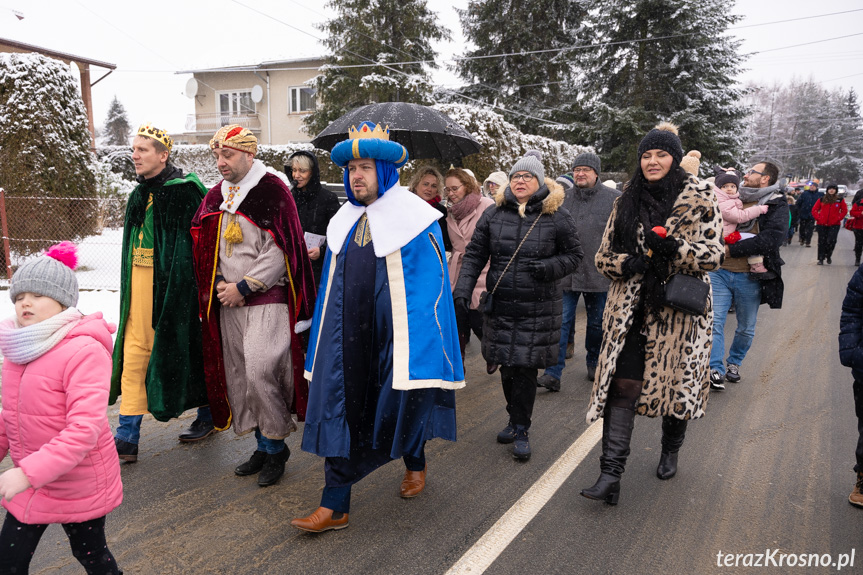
(55, 427)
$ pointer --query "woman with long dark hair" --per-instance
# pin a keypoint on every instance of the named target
(654, 360)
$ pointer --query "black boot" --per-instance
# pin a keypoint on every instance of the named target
(617, 427)
(673, 433)
(274, 467)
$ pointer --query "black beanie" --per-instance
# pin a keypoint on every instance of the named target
(662, 137)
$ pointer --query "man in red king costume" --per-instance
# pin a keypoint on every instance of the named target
(255, 283)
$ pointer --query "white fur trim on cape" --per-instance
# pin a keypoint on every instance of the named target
(249, 181)
(395, 219)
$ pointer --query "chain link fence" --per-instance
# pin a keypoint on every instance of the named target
(30, 224)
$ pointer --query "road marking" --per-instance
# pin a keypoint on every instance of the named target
(484, 552)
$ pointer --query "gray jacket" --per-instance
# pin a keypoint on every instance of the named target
(590, 208)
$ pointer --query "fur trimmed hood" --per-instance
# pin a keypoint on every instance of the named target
(550, 204)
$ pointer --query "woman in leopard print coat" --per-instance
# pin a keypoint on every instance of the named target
(654, 360)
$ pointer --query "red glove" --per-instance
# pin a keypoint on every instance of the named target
(732, 238)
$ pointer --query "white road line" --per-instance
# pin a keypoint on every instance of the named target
(484, 552)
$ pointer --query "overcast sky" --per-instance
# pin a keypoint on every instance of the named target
(149, 41)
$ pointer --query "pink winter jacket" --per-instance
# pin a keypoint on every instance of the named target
(733, 212)
(54, 424)
(460, 234)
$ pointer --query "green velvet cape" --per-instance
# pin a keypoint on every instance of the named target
(175, 375)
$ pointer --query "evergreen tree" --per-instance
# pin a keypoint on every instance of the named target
(843, 162)
(379, 32)
(117, 128)
(529, 89)
(44, 152)
(662, 60)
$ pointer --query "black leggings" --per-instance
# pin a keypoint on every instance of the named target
(18, 542)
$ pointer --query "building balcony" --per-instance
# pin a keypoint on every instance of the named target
(209, 123)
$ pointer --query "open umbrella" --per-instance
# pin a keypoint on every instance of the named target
(425, 132)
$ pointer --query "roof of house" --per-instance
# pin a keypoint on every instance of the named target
(56, 54)
(252, 67)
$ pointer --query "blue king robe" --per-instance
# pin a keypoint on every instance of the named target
(383, 361)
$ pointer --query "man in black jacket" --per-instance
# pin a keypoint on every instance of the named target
(732, 282)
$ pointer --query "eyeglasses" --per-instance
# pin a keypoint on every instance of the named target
(493, 186)
(455, 189)
(754, 172)
(523, 177)
(582, 170)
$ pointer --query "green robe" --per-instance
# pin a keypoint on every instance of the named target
(175, 375)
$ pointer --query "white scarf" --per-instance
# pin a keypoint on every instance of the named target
(22, 345)
(240, 190)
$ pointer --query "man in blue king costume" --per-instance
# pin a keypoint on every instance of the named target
(383, 356)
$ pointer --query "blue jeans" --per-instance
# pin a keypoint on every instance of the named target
(129, 426)
(594, 303)
(269, 446)
(746, 295)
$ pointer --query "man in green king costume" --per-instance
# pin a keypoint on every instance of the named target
(158, 362)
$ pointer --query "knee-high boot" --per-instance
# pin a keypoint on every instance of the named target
(673, 433)
(617, 427)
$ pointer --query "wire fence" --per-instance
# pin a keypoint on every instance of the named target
(30, 224)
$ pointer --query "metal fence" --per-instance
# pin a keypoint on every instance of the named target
(30, 224)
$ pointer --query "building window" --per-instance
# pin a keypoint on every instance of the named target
(235, 104)
(302, 100)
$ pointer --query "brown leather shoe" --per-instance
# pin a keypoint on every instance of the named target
(321, 520)
(413, 483)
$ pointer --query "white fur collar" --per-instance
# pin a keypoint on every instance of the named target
(395, 219)
(240, 190)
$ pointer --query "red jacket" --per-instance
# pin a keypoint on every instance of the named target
(829, 214)
(856, 222)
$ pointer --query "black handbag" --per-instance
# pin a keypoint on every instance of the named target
(486, 302)
(687, 294)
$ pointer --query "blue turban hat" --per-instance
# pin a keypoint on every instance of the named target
(370, 141)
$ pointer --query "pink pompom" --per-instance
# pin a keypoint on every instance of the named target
(66, 253)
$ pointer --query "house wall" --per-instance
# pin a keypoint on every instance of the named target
(286, 127)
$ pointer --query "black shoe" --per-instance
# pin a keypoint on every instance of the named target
(126, 451)
(490, 368)
(808, 245)
(199, 430)
(673, 433)
(820, 262)
(857, 262)
(829, 261)
(521, 445)
(716, 380)
(549, 382)
(274, 467)
(591, 372)
(253, 465)
(617, 425)
(507, 434)
(732, 373)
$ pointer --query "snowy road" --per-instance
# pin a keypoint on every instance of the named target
(768, 468)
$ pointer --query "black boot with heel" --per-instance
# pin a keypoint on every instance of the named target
(617, 425)
(673, 433)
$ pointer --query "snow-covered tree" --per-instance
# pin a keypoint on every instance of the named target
(810, 131)
(662, 60)
(44, 151)
(383, 33)
(520, 60)
(117, 127)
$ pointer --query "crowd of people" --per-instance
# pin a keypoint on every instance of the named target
(262, 302)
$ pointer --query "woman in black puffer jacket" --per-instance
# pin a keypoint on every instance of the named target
(522, 330)
(316, 205)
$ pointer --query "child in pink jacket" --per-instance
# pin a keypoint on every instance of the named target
(733, 212)
(56, 374)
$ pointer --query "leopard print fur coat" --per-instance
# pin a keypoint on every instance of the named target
(677, 356)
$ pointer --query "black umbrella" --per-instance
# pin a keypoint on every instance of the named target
(425, 132)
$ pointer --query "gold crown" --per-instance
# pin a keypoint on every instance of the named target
(148, 130)
(366, 131)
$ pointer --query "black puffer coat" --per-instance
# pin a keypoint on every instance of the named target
(524, 328)
(316, 205)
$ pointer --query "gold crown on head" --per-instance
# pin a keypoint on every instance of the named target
(148, 130)
(369, 130)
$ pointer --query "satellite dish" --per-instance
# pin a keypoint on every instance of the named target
(191, 88)
(257, 93)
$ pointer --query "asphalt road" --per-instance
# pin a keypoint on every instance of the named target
(767, 470)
